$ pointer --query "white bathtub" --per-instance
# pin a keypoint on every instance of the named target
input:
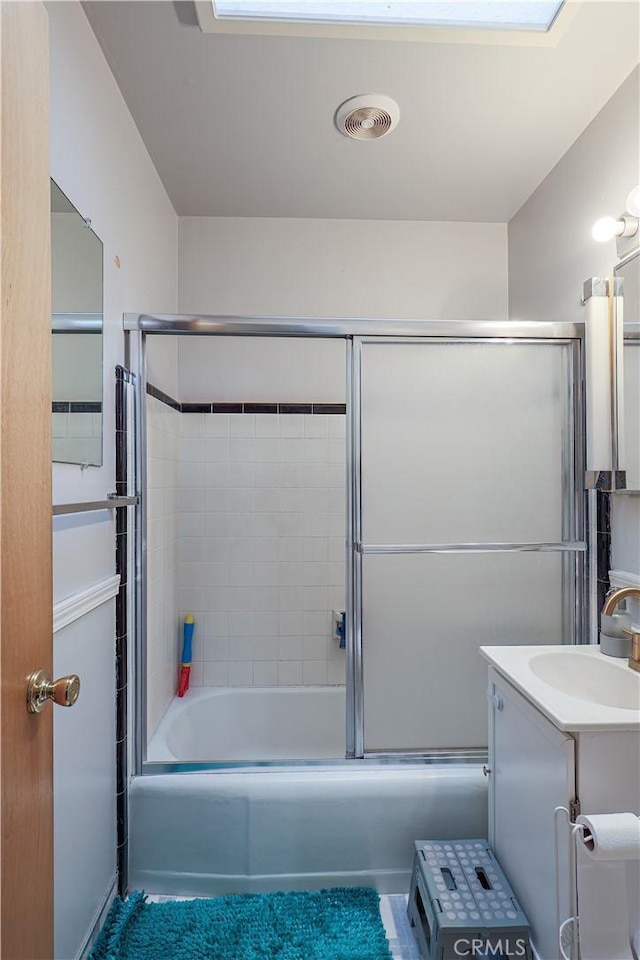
(203, 834)
(282, 828)
(228, 724)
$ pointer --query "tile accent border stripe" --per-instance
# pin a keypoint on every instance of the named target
(162, 396)
(71, 406)
(248, 407)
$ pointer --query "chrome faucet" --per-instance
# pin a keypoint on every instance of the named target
(612, 600)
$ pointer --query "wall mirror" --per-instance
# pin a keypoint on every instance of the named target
(76, 323)
(629, 270)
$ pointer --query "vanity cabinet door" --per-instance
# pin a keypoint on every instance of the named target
(532, 771)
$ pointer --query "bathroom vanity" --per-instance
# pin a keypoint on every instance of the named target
(564, 727)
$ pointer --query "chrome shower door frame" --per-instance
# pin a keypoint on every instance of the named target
(136, 362)
(572, 546)
(356, 332)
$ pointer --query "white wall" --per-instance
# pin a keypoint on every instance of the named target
(85, 833)
(163, 633)
(551, 251)
(343, 268)
(100, 162)
(261, 370)
(162, 364)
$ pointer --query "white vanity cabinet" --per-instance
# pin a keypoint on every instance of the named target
(535, 767)
(531, 772)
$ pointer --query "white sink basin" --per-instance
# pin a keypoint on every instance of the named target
(577, 688)
(595, 680)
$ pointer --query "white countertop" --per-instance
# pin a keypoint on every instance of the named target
(596, 678)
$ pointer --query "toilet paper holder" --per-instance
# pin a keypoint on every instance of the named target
(569, 928)
(584, 830)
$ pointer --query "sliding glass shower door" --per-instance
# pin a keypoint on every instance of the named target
(467, 527)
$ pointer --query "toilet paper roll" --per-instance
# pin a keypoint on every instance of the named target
(611, 836)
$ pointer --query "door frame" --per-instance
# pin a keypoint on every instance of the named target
(26, 603)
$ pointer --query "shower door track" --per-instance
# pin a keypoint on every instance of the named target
(340, 327)
(577, 544)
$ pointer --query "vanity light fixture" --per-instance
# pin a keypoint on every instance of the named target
(604, 387)
(633, 201)
(603, 359)
(609, 227)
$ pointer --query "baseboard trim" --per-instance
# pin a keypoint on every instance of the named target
(79, 604)
(98, 920)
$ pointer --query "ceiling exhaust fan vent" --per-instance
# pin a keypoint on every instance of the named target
(368, 117)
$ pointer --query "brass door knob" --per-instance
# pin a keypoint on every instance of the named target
(41, 688)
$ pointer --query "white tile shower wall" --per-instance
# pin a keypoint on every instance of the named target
(163, 652)
(262, 543)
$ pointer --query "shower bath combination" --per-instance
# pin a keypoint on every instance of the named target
(460, 474)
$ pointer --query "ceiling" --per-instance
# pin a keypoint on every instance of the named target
(242, 126)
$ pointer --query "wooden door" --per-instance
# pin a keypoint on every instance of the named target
(26, 741)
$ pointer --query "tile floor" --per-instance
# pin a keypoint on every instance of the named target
(393, 909)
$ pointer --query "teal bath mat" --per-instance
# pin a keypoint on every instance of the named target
(339, 924)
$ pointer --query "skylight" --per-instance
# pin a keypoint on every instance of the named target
(510, 15)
